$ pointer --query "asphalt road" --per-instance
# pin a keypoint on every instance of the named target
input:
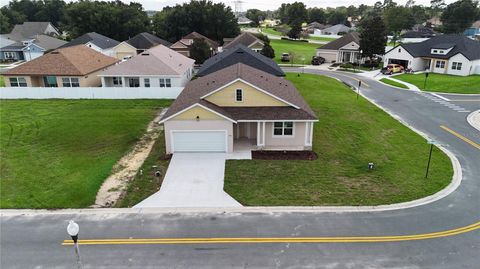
(36, 241)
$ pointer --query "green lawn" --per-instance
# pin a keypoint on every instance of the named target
(57, 153)
(271, 31)
(350, 134)
(321, 38)
(300, 49)
(2, 81)
(393, 83)
(444, 83)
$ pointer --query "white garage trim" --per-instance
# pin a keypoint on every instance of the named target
(172, 140)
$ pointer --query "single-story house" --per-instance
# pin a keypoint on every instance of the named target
(443, 54)
(76, 66)
(95, 41)
(419, 31)
(183, 45)
(345, 49)
(242, 20)
(247, 39)
(136, 45)
(155, 67)
(238, 103)
(32, 28)
(240, 54)
(337, 29)
(20, 48)
(473, 31)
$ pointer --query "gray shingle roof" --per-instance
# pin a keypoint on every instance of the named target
(461, 44)
(244, 38)
(31, 28)
(240, 54)
(146, 40)
(99, 40)
(342, 41)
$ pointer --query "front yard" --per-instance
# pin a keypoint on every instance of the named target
(444, 83)
(393, 83)
(350, 134)
(57, 153)
(298, 48)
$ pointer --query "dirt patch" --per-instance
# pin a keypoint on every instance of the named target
(127, 167)
(306, 155)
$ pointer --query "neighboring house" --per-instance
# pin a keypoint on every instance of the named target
(32, 28)
(242, 20)
(95, 41)
(76, 66)
(316, 29)
(136, 45)
(435, 21)
(419, 31)
(337, 29)
(20, 48)
(183, 45)
(247, 39)
(443, 54)
(473, 31)
(156, 67)
(346, 49)
(240, 54)
(238, 103)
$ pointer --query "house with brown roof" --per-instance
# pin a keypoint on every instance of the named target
(236, 105)
(156, 67)
(76, 66)
(247, 39)
(183, 45)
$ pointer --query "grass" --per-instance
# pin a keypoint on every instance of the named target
(272, 31)
(57, 153)
(444, 83)
(146, 183)
(321, 38)
(2, 81)
(393, 83)
(300, 49)
(351, 70)
(350, 134)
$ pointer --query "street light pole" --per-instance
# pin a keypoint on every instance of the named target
(72, 230)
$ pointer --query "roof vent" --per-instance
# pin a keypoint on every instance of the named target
(145, 54)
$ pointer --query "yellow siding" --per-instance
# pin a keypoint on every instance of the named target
(193, 112)
(123, 50)
(251, 97)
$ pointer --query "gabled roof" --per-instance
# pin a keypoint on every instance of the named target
(31, 28)
(44, 41)
(99, 40)
(240, 54)
(146, 40)
(72, 61)
(245, 38)
(277, 87)
(342, 41)
(156, 61)
(194, 35)
(337, 28)
(317, 25)
(461, 44)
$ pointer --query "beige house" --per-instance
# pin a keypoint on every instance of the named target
(235, 105)
(247, 39)
(183, 45)
(76, 66)
(123, 51)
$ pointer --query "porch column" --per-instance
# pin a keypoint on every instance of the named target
(103, 82)
(258, 134)
(263, 133)
(124, 83)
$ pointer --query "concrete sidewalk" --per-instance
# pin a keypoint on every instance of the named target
(193, 180)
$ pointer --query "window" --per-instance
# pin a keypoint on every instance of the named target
(165, 82)
(146, 81)
(9, 55)
(117, 81)
(283, 128)
(239, 95)
(134, 82)
(435, 51)
(50, 81)
(70, 82)
(440, 64)
(456, 66)
(162, 83)
(18, 82)
(399, 50)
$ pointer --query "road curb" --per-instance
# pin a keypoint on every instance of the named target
(470, 119)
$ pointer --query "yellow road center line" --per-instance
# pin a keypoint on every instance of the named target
(260, 240)
(475, 145)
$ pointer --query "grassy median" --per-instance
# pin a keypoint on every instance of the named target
(393, 83)
(57, 153)
(350, 134)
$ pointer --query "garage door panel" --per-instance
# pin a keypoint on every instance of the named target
(199, 141)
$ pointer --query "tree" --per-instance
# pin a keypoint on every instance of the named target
(282, 13)
(398, 18)
(336, 17)
(200, 50)
(316, 15)
(373, 36)
(459, 15)
(268, 51)
(437, 6)
(5, 26)
(297, 12)
(256, 15)
(295, 30)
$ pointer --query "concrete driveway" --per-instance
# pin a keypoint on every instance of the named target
(193, 180)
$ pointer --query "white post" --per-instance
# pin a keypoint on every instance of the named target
(103, 82)
(258, 134)
(263, 133)
(124, 83)
(310, 142)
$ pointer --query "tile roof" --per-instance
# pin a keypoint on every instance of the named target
(72, 61)
(240, 54)
(146, 40)
(276, 86)
(245, 38)
(342, 41)
(158, 60)
(99, 40)
(461, 44)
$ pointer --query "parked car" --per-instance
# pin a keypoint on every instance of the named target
(285, 57)
(317, 60)
(392, 69)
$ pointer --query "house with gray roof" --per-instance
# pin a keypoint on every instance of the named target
(95, 41)
(238, 105)
(240, 54)
(346, 49)
(21, 48)
(32, 28)
(443, 54)
(337, 29)
(247, 39)
(137, 44)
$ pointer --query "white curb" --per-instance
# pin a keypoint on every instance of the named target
(474, 119)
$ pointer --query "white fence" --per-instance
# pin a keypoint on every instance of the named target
(89, 93)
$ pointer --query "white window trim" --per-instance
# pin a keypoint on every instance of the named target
(70, 82)
(438, 64)
(241, 94)
(282, 135)
(18, 82)
(145, 80)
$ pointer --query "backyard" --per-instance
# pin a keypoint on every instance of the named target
(444, 83)
(296, 48)
(57, 153)
(350, 134)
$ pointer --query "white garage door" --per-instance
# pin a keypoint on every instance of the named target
(199, 141)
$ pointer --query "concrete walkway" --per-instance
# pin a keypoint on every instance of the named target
(193, 180)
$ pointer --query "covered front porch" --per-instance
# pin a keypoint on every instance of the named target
(349, 56)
